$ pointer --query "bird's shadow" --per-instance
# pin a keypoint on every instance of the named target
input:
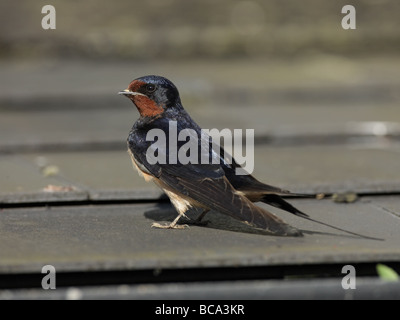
(215, 220)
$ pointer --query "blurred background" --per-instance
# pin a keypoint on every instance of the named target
(284, 68)
(177, 29)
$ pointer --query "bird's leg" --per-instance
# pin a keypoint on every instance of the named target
(198, 221)
(200, 217)
(172, 225)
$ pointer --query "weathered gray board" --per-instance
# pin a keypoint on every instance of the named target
(119, 237)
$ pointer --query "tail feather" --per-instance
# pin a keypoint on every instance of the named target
(343, 230)
(278, 202)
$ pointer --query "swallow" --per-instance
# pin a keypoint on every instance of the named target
(206, 186)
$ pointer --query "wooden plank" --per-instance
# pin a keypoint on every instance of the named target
(119, 237)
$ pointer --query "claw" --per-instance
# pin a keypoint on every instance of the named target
(169, 226)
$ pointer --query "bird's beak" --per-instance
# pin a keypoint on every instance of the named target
(127, 92)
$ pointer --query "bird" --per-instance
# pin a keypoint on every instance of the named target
(210, 186)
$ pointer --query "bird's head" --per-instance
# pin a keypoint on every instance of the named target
(152, 95)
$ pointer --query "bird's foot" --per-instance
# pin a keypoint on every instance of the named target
(169, 226)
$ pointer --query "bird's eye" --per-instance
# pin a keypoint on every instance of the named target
(150, 88)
